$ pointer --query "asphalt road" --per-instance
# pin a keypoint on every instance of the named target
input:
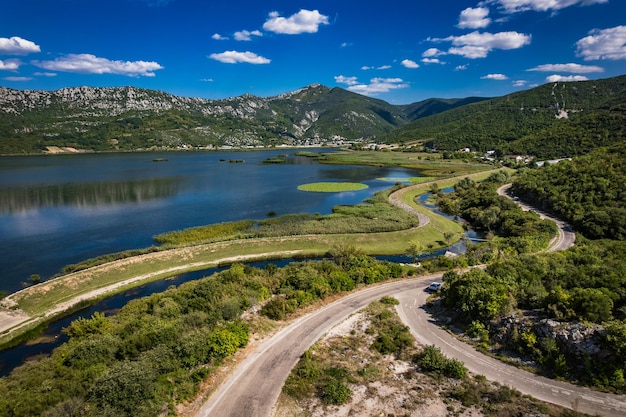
(253, 387)
(566, 238)
(424, 329)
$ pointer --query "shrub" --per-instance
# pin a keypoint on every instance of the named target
(278, 307)
(477, 329)
(432, 360)
(334, 392)
(389, 301)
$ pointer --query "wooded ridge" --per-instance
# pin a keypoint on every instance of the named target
(549, 121)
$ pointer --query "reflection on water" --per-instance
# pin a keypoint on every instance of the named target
(19, 199)
(57, 210)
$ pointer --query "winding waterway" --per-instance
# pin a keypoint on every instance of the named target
(61, 209)
(57, 210)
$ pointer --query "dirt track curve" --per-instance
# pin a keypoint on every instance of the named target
(255, 384)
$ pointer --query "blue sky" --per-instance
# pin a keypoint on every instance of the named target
(398, 51)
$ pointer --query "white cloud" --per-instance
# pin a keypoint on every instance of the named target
(10, 64)
(471, 52)
(478, 45)
(382, 67)
(460, 68)
(206, 80)
(236, 57)
(432, 61)
(305, 21)
(603, 44)
(346, 80)
(376, 85)
(91, 64)
(430, 52)
(407, 63)
(519, 83)
(497, 77)
(219, 37)
(45, 74)
(571, 68)
(18, 79)
(474, 18)
(565, 78)
(246, 35)
(17, 46)
(515, 6)
(501, 40)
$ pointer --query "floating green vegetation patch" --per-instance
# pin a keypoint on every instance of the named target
(275, 160)
(309, 154)
(332, 187)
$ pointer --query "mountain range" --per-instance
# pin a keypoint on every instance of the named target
(572, 115)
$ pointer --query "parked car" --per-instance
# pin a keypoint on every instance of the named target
(434, 286)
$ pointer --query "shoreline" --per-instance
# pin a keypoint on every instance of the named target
(15, 318)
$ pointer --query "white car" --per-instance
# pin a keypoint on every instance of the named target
(434, 286)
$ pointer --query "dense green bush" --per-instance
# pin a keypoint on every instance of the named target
(157, 349)
(307, 282)
(334, 391)
(477, 294)
(433, 361)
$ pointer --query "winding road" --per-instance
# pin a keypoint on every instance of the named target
(565, 237)
(255, 384)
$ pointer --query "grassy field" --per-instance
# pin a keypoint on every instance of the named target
(429, 164)
(331, 187)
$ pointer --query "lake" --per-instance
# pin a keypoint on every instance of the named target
(61, 209)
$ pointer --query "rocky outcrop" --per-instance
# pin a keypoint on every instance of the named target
(575, 340)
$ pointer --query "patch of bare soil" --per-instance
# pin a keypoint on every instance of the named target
(387, 385)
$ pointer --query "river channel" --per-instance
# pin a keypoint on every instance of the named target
(154, 197)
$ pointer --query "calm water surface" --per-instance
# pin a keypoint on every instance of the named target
(58, 210)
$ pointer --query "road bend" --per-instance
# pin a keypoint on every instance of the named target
(255, 384)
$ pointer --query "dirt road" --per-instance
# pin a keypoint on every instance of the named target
(255, 384)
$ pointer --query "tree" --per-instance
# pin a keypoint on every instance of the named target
(414, 250)
(126, 388)
(477, 294)
(448, 236)
(591, 304)
(83, 327)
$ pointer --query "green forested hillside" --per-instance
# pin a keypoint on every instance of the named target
(553, 120)
(587, 191)
(109, 119)
(436, 105)
(335, 111)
